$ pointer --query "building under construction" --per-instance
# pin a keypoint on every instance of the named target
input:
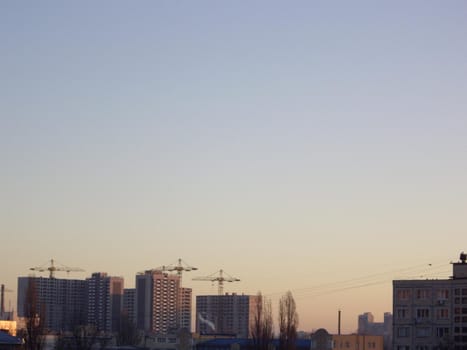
(228, 314)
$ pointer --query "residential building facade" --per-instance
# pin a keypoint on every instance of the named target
(162, 305)
(431, 314)
(104, 301)
(60, 302)
(129, 304)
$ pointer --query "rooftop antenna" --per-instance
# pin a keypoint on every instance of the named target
(463, 257)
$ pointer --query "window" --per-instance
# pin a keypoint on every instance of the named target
(402, 313)
(443, 294)
(403, 331)
(403, 347)
(403, 294)
(442, 331)
(423, 313)
(442, 313)
(423, 331)
(423, 294)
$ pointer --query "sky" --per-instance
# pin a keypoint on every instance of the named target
(311, 146)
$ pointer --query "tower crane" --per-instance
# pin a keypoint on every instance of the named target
(179, 267)
(220, 279)
(52, 268)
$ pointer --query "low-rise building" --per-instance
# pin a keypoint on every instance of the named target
(357, 342)
(8, 327)
(8, 342)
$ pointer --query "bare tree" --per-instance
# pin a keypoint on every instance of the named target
(35, 318)
(288, 322)
(127, 334)
(262, 328)
(83, 338)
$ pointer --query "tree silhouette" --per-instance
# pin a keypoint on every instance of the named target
(127, 334)
(83, 338)
(288, 322)
(33, 334)
(262, 328)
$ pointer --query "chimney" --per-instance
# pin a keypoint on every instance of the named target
(339, 322)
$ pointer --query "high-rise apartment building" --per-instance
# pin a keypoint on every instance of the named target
(104, 301)
(185, 307)
(60, 302)
(225, 314)
(162, 305)
(431, 314)
(129, 304)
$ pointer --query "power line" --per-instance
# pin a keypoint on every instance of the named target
(366, 281)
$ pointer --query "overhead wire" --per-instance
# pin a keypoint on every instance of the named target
(366, 281)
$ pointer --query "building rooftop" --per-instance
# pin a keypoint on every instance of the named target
(6, 339)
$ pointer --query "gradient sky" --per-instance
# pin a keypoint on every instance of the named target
(292, 144)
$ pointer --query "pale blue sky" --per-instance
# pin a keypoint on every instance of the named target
(331, 135)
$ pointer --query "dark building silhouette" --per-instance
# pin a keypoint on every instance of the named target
(104, 301)
(225, 314)
(63, 301)
(68, 303)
